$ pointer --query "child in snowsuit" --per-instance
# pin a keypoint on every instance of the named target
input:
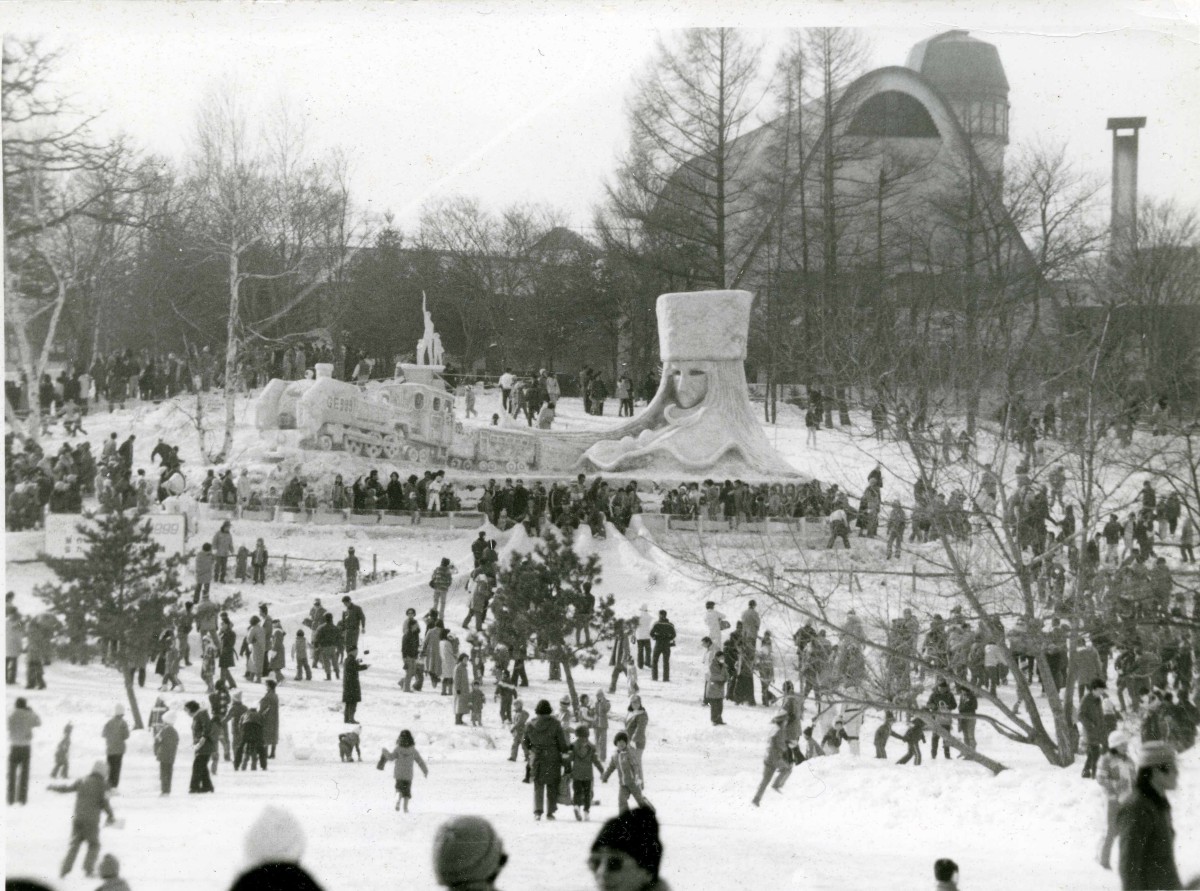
(812, 748)
(627, 774)
(475, 700)
(913, 737)
(505, 691)
(62, 755)
(405, 755)
(518, 729)
(208, 663)
(583, 757)
(300, 655)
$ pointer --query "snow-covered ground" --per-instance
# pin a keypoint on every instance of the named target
(842, 821)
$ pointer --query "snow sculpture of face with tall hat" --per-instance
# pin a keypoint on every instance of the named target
(700, 420)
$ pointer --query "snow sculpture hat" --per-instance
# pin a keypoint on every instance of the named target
(634, 833)
(466, 851)
(275, 837)
(703, 325)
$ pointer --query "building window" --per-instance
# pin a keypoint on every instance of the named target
(893, 114)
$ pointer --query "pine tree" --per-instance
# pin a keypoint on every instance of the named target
(538, 597)
(121, 594)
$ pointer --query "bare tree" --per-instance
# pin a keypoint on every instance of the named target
(258, 203)
(58, 181)
(685, 174)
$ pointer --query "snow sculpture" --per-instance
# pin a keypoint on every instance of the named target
(429, 347)
(700, 420)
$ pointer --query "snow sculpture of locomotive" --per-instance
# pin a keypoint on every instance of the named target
(411, 419)
(699, 423)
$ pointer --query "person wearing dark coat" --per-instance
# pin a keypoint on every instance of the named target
(410, 648)
(1144, 823)
(203, 746)
(546, 743)
(268, 707)
(663, 635)
(354, 622)
(943, 701)
(251, 752)
(351, 689)
(227, 653)
(1091, 722)
(462, 688)
(91, 800)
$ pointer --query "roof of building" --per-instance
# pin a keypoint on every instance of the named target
(957, 63)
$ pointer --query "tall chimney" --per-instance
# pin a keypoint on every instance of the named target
(1124, 183)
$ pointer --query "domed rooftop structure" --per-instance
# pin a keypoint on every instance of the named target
(957, 63)
(968, 73)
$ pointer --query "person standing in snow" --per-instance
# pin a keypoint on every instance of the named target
(115, 733)
(715, 687)
(1115, 776)
(62, 754)
(644, 626)
(1091, 723)
(203, 746)
(663, 635)
(406, 756)
(440, 581)
(520, 720)
(941, 702)
(715, 622)
(620, 657)
(351, 566)
(222, 548)
(628, 774)
(351, 688)
(603, 707)
(546, 742)
(22, 721)
(354, 623)
(1144, 822)
(462, 688)
(268, 707)
(166, 745)
(636, 722)
(583, 759)
(91, 800)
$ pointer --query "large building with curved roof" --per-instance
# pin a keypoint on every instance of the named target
(918, 160)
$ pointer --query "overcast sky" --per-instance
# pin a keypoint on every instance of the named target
(525, 101)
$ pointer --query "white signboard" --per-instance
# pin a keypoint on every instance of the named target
(64, 541)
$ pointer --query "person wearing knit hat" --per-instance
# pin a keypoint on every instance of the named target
(627, 853)
(1114, 773)
(1144, 822)
(166, 747)
(468, 854)
(110, 871)
(275, 837)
